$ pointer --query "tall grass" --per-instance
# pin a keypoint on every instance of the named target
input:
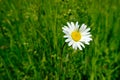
(31, 40)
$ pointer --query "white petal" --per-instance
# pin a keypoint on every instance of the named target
(83, 27)
(90, 39)
(87, 36)
(66, 32)
(88, 29)
(69, 25)
(73, 45)
(65, 28)
(72, 24)
(77, 26)
(87, 43)
(79, 46)
(70, 43)
(77, 23)
(82, 44)
(66, 36)
(85, 40)
(85, 33)
(68, 40)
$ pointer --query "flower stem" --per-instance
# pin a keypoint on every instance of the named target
(61, 67)
(62, 49)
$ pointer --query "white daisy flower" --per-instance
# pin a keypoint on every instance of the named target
(77, 36)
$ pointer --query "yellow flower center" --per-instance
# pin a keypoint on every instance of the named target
(76, 36)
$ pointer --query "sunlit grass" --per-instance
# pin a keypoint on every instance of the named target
(31, 40)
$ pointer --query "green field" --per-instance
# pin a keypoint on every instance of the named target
(31, 40)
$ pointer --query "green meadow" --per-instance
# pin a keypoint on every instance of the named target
(32, 43)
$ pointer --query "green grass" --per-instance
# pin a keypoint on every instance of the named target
(31, 39)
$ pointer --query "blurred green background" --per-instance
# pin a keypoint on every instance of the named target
(31, 39)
